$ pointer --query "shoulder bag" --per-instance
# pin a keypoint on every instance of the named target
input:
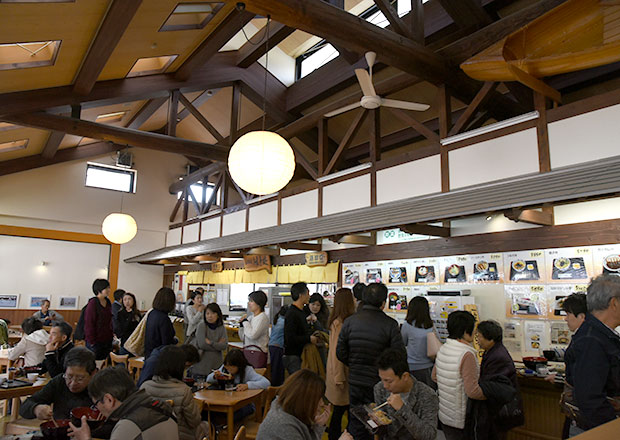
(433, 344)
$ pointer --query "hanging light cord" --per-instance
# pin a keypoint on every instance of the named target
(266, 71)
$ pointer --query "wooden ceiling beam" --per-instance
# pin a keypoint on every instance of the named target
(355, 34)
(467, 13)
(352, 131)
(65, 155)
(298, 245)
(250, 52)
(195, 177)
(273, 251)
(145, 112)
(544, 217)
(479, 100)
(369, 240)
(200, 118)
(52, 144)
(117, 19)
(173, 108)
(120, 135)
(224, 31)
(415, 124)
(397, 24)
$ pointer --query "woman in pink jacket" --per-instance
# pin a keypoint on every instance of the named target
(337, 391)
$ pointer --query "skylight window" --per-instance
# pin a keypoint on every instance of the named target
(151, 65)
(109, 177)
(313, 60)
(111, 117)
(191, 16)
(29, 54)
(196, 190)
(5, 147)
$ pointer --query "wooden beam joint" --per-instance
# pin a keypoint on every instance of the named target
(544, 217)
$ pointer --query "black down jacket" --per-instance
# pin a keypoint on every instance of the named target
(364, 336)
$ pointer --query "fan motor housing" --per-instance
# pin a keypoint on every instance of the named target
(371, 102)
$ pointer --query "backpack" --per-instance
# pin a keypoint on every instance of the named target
(79, 334)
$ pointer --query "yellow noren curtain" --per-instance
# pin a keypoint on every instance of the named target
(318, 274)
(195, 277)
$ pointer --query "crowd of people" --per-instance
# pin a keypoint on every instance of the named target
(328, 363)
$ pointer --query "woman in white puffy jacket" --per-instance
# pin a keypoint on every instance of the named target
(254, 328)
(32, 344)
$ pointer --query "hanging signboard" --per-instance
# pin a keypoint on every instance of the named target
(316, 259)
(254, 263)
(217, 267)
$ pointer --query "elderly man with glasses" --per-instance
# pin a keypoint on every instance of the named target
(593, 363)
(65, 391)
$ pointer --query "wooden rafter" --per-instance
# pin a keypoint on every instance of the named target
(200, 118)
(251, 51)
(354, 34)
(466, 13)
(390, 13)
(214, 42)
(120, 135)
(323, 144)
(415, 20)
(235, 112)
(244, 196)
(195, 177)
(145, 112)
(52, 144)
(65, 155)
(299, 245)
(218, 184)
(175, 210)
(415, 124)
(273, 251)
(369, 240)
(117, 19)
(353, 129)
(479, 100)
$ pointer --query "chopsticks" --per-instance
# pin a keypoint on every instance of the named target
(54, 422)
(380, 406)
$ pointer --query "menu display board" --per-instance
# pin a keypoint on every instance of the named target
(534, 331)
(486, 268)
(524, 266)
(556, 295)
(526, 301)
(351, 273)
(373, 272)
(560, 334)
(398, 298)
(425, 271)
(454, 269)
(397, 272)
(566, 265)
(606, 259)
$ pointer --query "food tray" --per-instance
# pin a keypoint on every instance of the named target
(15, 383)
(373, 424)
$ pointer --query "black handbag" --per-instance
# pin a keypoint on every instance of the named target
(511, 414)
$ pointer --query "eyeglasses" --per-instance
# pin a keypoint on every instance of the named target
(97, 402)
(76, 379)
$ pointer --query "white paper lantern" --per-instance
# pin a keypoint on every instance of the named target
(261, 162)
(119, 228)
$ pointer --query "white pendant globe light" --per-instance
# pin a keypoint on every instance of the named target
(261, 162)
(119, 228)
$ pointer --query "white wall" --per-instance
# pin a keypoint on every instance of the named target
(347, 195)
(55, 197)
(410, 179)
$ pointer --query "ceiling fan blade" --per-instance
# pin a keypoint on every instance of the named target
(405, 105)
(365, 82)
(346, 108)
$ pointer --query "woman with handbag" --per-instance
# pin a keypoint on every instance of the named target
(420, 340)
(254, 330)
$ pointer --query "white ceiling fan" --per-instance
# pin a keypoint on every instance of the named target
(370, 99)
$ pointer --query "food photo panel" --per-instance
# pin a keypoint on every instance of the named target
(556, 294)
(526, 301)
(374, 272)
(486, 268)
(425, 270)
(398, 272)
(351, 273)
(606, 260)
(524, 266)
(566, 265)
(454, 269)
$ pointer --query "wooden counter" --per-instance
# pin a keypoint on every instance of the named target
(543, 418)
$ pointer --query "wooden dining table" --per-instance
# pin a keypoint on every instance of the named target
(15, 394)
(228, 402)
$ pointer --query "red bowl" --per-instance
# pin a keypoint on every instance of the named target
(189, 381)
(55, 429)
(531, 362)
(93, 417)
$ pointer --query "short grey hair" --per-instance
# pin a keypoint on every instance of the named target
(601, 290)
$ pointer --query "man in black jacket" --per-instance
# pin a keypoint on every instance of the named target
(364, 336)
(57, 348)
(64, 392)
(595, 372)
(297, 332)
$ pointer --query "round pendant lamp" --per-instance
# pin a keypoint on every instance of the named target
(261, 162)
(119, 228)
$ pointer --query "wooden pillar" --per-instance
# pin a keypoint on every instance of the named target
(324, 153)
(235, 112)
(542, 136)
(172, 113)
(445, 113)
(416, 21)
(375, 152)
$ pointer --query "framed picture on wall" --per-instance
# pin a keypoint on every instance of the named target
(36, 301)
(69, 302)
(9, 301)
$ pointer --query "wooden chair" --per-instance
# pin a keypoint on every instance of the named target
(252, 425)
(116, 359)
(261, 371)
(240, 434)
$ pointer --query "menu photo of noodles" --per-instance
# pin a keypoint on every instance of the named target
(425, 270)
(569, 264)
(454, 269)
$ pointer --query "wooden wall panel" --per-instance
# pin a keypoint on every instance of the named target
(16, 316)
